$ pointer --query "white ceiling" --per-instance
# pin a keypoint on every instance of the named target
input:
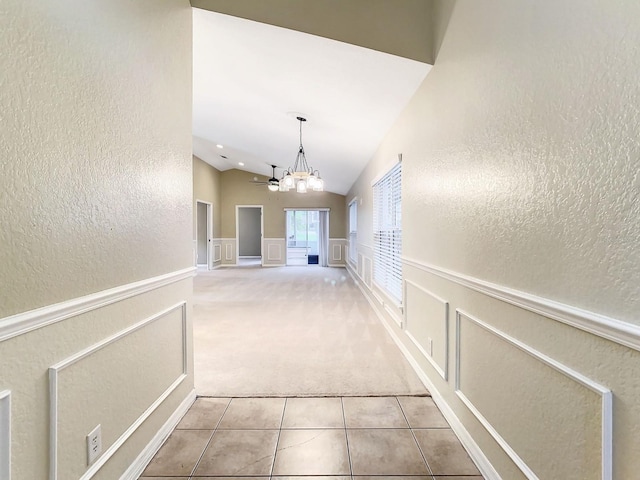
(250, 81)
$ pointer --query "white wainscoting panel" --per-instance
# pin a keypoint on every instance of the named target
(217, 252)
(368, 272)
(275, 249)
(336, 257)
(274, 252)
(580, 407)
(426, 323)
(228, 252)
(5, 435)
(104, 361)
(360, 267)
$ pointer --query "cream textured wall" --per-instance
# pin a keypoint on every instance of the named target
(237, 190)
(95, 193)
(96, 135)
(206, 187)
(520, 168)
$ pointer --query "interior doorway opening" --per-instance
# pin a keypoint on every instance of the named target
(249, 233)
(307, 236)
(204, 233)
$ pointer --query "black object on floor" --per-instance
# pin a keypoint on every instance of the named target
(313, 260)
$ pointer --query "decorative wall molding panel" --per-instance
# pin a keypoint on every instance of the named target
(360, 266)
(28, 321)
(529, 389)
(615, 330)
(426, 323)
(275, 249)
(140, 463)
(470, 445)
(217, 252)
(274, 252)
(58, 369)
(336, 247)
(368, 272)
(5, 435)
(228, 252)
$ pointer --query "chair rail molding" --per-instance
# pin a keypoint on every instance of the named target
(22, 323)
(612, 329)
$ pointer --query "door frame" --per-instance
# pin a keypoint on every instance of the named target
(302, 209)
(261, 207)
(209, 232)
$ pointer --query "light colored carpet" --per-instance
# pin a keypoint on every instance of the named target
(292, 331)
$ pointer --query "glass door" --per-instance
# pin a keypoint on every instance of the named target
(302, 237)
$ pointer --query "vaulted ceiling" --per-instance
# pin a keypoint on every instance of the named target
(251, 79)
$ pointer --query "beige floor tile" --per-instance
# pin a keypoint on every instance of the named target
(373, 412)
(422, 412)
(179, 454)
(164, 478)
(313, 413)
(306, 477)
(457, 477)
(204, 414)
(385, 452)
(444, 452)
(253, 414)
(239, 452)
(393, 477)
(312, 452)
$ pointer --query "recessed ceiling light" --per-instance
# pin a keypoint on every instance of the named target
(241, 164)
(219, 146)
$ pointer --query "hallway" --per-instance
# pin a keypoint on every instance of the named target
(296, 376)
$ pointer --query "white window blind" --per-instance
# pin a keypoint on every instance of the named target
(353, 231)
(387, 233)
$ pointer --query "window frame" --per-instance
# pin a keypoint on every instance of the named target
(353, 231)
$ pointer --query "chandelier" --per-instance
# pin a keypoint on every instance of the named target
(301, 177)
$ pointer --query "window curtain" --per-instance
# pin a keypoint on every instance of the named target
(323, 240)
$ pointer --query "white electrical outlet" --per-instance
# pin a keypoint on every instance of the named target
(430, 346)
(94, 445)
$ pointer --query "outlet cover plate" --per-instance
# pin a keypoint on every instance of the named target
(94, 444)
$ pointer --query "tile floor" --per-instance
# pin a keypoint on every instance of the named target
(336, 438)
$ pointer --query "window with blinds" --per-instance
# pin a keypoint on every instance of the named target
(387, 233)
(353, 231)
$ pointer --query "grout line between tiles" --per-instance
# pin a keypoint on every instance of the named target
(275, 452)
(344, 420)
(193, 472)
(415, 439)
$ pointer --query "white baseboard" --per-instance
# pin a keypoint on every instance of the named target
(141, 462)
(476, 454)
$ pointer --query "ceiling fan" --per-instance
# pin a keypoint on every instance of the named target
(273, 183)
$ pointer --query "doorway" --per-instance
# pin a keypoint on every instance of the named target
(307, 237)
(204, 233)
(249, 230)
